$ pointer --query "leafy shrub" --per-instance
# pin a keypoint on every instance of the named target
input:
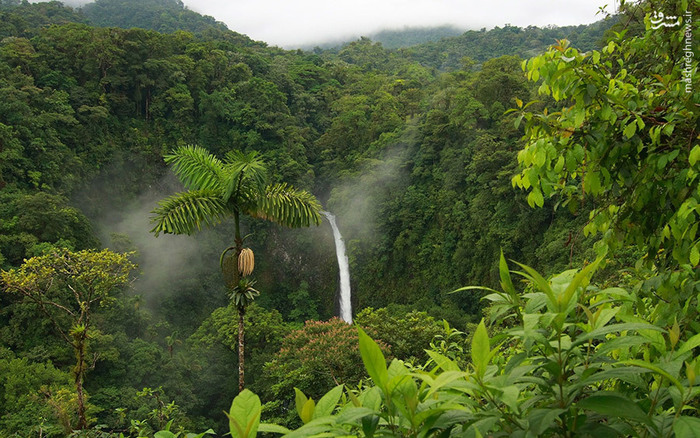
(575, 361)
(408, 335)
(315, 358)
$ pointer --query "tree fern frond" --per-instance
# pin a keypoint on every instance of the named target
(197, 168)
(244, 170)
(288, 206)
(187, 212)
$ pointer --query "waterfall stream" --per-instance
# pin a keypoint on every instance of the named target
(343, 268)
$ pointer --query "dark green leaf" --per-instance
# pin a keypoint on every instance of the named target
(687, 427)
(614, 406)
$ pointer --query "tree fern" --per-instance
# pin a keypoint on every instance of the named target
(218, 189)
(187, 212)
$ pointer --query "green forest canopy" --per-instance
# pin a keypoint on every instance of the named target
(413, 149)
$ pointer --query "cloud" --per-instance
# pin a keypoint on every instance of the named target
(303, 22)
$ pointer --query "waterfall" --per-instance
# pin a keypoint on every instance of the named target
(345, 304)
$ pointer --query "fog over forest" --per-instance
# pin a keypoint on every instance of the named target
(307, 23)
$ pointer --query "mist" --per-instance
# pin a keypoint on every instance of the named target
(357, 200)
(168, 264)
(306, 23)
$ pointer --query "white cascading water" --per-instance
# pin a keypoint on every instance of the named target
(345, 304)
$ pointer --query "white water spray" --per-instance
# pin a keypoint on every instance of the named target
(343, 267)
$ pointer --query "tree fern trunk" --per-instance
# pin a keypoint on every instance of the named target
(241, 310)
(241, 350)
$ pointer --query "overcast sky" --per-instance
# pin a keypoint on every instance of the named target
(293, 23)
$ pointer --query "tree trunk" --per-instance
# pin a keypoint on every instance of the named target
(79, 376)
(241, 350)
(241, 310)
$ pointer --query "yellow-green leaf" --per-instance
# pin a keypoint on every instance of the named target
(480, 350)
(694, 255)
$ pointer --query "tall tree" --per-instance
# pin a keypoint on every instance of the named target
(68, 287)
(229, 188)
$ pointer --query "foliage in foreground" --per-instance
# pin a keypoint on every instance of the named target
(575, 360)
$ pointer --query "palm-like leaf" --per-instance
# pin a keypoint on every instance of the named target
(187, 212)
(288, 206)
(244, 172)
(218, 189)
(197, 168)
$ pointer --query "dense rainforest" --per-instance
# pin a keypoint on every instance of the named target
(557, 152)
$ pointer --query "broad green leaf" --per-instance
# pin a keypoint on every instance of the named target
(540, 282)
(559, 166)
(398, 383)
(614, 405)
(374, 360)
(484, 288)
(694, 155)
(540, 157)
(353, 398)
(504, 273)
(541, 419)
(352, 414)
(694, 255)
(581, 279)
(534, 198)
(444, 379)
(656, 369)
(690, 372)
(164, 434)
(617, 373)
(620, 343)
(614, 328)
(313, 428)
(328, 402)
(369, 425)
(299, 401)
(272, 428)
(443, 362)
(687, 427)
(674, 333)
(307, 411)
(591, 182)
(397, 368)
(485, 425)
(509, 397)
(688, 345)
(480, 349)
(200, 435)
(244, 416)
(372, 398)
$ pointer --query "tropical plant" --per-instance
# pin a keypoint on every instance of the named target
(624, 139)
(67, 288)
(229, 188)
(574, 361)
